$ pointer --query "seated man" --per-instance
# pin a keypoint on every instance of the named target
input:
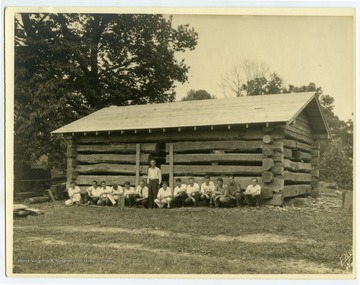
(193, 193)
(207, 188)
(74, 194)
(164, 196)
(220, 191)
(104, 194)
(252, 193)
(129, 193)
(235, 190)
(92, 193)
(116, 193)
(179, 194)
(142, 195)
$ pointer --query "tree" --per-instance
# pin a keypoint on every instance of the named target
(336, 166)
(262, 85)
(69, 65)
(197, 95)
(236, 82)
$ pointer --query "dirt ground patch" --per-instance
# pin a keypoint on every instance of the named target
(248, 238)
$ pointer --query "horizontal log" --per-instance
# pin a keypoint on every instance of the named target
(278, 169)
(267, 139)
(267, 176)
(300, 155)
(117, 148)
(306, 128)
(216, 157)
(275, 200)
(102, 168)
(304, 167)
(216, 145)
(296, 190)
(175, 136)
(213, 169)
(112, 158)
(315, 183)
(267, 164)
(315, 172)
(300, 131)
(278, 157)
(297, 166)
(109, 179)
(71, 162)
(278, 146)
(316, 145)
(315, 152)
(34, 200)
(290, 133)
(304, 147)
(293, 144)
(276, 185)
(288, 153)
(267, 192)
(267, 150)
(315, 161)
(243, 181)
(297, 177)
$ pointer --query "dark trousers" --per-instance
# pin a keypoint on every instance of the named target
(190, 202)
(225, 202)
(253, 201)
(142, 202)
(91, 199)
(130, 199)
(179, 201)
(206, 199)
(153, 191)
(240, 198)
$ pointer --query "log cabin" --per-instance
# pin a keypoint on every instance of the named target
(272, 137)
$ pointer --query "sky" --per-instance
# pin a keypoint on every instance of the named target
(300, 49)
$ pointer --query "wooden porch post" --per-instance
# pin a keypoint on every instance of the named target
(137, 177)
(171, 166)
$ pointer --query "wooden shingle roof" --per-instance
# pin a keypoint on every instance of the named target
(282, 108)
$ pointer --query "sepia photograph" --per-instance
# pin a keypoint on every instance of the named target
(202, 143)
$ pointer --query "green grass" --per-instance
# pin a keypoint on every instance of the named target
(181, 241)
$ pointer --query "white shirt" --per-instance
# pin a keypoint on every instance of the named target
(129, 191)
(73, 191)
(106, 190)
(180, 189)
(164, 193)
(192, 189)
(253, 189)
(207, 188)
(92, 191)
(142, 191)
(154, 173)
(118, 191)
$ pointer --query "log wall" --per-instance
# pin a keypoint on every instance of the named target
(284, 158)
(298, 157)
(105, 158)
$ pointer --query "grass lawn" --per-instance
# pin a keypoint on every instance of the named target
(184, 241)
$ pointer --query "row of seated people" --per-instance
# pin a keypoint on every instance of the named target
(219, 195)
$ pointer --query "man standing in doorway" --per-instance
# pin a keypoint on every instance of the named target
(153, 181)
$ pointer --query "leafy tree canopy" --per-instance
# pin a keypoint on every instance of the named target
(69, 65)
(197, 95)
